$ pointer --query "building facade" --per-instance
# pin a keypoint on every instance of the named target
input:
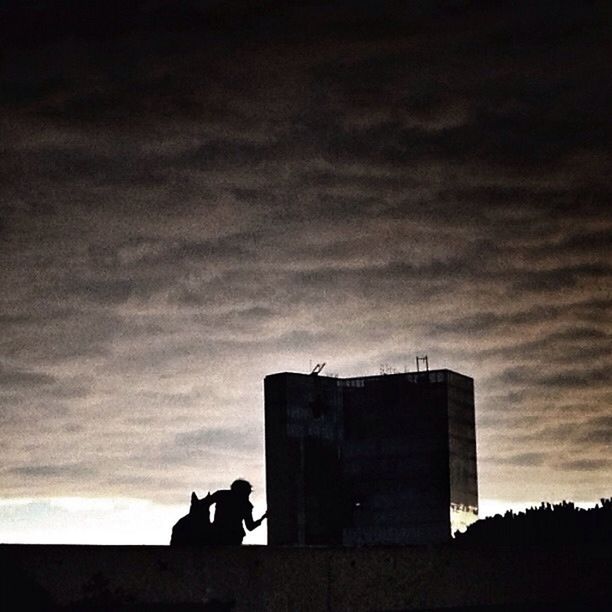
(388, 459)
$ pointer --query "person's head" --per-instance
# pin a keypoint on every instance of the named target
(241, 487)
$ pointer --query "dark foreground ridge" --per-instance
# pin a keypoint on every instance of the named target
(553, 557)
(447, 577)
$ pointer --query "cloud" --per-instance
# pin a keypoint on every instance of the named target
(521, 459)
(196, 196)
(597, 431)
(16, 378)
(587, 465)
(560, 278)
(234, 440)
(562, 380)
(70, 470)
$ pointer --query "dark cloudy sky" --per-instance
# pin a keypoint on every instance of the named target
(197, 194)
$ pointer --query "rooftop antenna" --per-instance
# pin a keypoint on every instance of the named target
(424, 360)
(317, 369)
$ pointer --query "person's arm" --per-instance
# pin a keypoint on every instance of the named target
(250, 523)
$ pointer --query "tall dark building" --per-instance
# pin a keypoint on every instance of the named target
(387, 459)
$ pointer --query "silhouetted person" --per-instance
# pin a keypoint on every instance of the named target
(232, 510)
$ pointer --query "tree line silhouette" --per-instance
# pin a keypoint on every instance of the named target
(561, 523)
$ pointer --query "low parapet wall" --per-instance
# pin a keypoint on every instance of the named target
(275, 578)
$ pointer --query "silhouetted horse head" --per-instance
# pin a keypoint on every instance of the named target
(194, 529)
(200, 508)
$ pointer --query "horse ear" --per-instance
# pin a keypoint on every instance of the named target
(194, 497)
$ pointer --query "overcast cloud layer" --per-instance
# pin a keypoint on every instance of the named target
(195, 198)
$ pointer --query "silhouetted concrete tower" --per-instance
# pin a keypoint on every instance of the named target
(388, 459)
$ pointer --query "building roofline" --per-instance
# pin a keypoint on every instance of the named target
(370, 376)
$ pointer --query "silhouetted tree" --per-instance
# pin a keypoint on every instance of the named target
(546, 524)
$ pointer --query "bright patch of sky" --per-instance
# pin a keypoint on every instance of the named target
(124, 521)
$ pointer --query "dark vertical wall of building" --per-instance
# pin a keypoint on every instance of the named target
(462, 447)
(372, 460)
(303, 424)
(282, 464)
(395, 457)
